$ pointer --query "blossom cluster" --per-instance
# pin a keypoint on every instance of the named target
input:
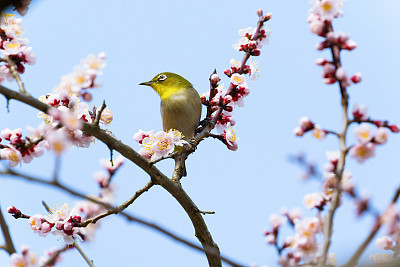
(83, 77)
(156, 145)
(367, 138)
(390, 241)
(302, 247)
(69, 113)
(13, 46)
(64, 222)
(320, 16)
(222, 101)
(28, 258)
(20, 149)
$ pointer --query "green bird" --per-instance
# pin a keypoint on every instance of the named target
(180, 103)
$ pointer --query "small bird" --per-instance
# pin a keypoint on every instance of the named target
(180, 103)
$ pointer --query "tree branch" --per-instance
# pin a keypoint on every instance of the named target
(356, 256)
(8, 246)
(206, 249)
(335, 51)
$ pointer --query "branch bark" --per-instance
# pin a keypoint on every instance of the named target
(9, 245)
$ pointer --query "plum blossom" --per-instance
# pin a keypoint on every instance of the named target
(363, 133)
(362, 151)
(360, 112)
(156, 145)
(381, 135)
(27, 258)
(326, 9)
(230, 137)
(384, 242)
(313, 200)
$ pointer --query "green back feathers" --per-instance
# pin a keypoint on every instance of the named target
(168, 83)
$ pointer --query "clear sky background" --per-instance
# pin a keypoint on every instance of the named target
(191, 38)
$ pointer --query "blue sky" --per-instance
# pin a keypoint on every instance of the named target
(242, 187)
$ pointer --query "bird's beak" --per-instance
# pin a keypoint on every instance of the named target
(149, 83)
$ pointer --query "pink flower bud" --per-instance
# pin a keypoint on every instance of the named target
(228, 108)
(267, 16)
(233, 147)
(227, 99)
(214, 79)
(329, 80)
(215, 101)
(228, 72)
(259, 12)
(341, 74)
(214, 108)
(349, 45)
(356, 78)
(87, 97)
(394, 128)
(46, 227)
(321, 61)
(256, 52)
(298, 131)
(59, 225)
(68, 226)
(378, 123)
(13, 210)
(321, 45)
(342, 37)
(317, 27)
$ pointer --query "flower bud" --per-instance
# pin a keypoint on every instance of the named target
(87, 97)
(259, 12)
(356, 78)
(13, 210)
(255, 52)
(228, 108)
(394, 128)
(228, 72)
(214, 79)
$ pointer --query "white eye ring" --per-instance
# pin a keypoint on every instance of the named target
(162, 77)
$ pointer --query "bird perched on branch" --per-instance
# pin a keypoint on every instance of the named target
(180, 103)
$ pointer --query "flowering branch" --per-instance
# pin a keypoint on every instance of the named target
(117, 209)
(9, 245)
(209, 250)
(356, 256)
(335, 51)
(52, 259)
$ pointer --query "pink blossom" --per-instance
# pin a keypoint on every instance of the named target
(384, 242)
(276, 220)
(313, 200)
(363, 133)
(362, 151)
(360, 112)
(381, 135)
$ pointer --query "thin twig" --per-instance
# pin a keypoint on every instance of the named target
(356, 256)
(52, 259)
(98, 115)
(117, 209)
(9, 245)
(15, 74)
(89, 262)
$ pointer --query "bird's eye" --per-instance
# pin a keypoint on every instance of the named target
(162, 77)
